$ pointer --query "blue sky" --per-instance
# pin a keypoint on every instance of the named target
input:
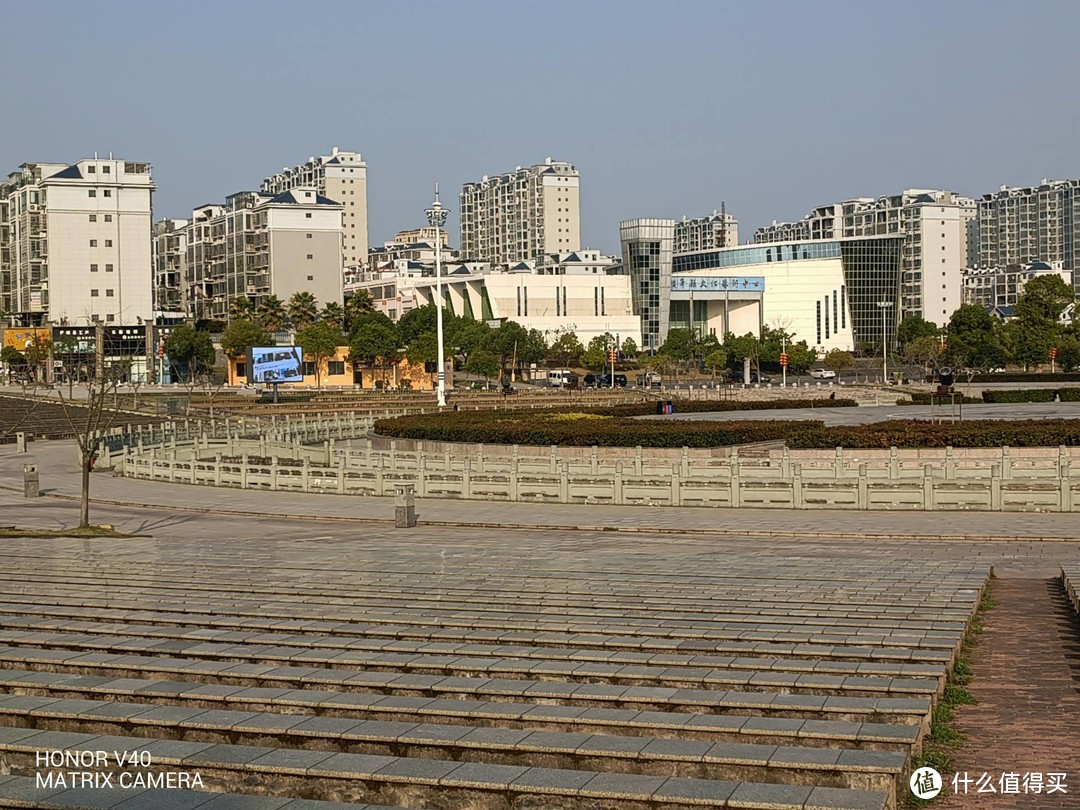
(666, 108)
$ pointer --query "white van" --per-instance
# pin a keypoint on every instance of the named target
(562, 378)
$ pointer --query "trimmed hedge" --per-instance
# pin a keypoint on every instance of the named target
(1021, 395)
(926, 398)
(584, 429)
(717, 406)
(1021, 376)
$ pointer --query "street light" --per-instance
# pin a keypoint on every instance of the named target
(884, 306)
(436, 216)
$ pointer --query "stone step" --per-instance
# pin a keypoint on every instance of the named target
(407, 781)
(23, 791)
(869, 685)
(356, 643)
(910, 710)
(482, 714)
(866, 648)
(1070, 577)
(786, 764)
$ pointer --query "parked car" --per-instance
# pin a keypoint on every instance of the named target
(605, 381)
(650, 379)
(588, 381)
(562, 378)
(823, 374)
(758, 379)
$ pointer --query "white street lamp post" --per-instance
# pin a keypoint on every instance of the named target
(884, 306)
(436, 216)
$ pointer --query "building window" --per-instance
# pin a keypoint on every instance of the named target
(93, 293)
(92, 192)
(819, 323)
(93, 268)
(108, 217)
(309, 368)
(108, 268)
(108, 243)
(93, 243)
(241, 370)
(335, 367)
(310, 256)
(311, 278)
(110, 318)
(93, 217)
(109, 294)
(106, 169)
(308, 214)
(309, 236)
(108, 192)
(91, 169)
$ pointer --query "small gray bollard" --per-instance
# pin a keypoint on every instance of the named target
(31, 482)
(404, 506)
(20, 442)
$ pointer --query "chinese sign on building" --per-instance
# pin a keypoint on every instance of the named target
(686, 283)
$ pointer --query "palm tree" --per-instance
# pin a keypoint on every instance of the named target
(356, 305)
(303, 309)
(241, 308)
(271, 313)
(333, 313)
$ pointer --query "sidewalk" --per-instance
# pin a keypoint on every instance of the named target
(59, 473)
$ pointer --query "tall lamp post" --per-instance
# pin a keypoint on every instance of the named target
(436, 216)
(884, 306)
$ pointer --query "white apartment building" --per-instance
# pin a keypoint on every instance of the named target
(342, 177)
(998, 289)
(518, 216)
(716, 230)
(170, 269)
(1034, 224)
(75, 243)
(260, 244)
(939, 230)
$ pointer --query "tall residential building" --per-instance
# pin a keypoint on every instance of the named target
(259, 244)
(716, 230)
(938, 229)
(75, 243)
(342, 177)
(170, 268)
(518, 216)
(1036, 224)
(999, 288)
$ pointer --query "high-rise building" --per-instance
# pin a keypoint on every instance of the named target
(716, 230)
(646, 254)
(75, 243)
(260, 244)
(999, 288)
(170, 269)
(939, 234)
(518, 216)
(342, 177)
(1036, 224)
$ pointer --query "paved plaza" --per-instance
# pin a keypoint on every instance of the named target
(297, 651)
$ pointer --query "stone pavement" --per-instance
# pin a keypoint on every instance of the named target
(60, 477)
(865, 414)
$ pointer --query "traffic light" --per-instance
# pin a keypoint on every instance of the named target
(1053, 354)
(783, 359)
(161, 350)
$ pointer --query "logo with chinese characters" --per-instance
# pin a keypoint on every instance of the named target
(925, 783)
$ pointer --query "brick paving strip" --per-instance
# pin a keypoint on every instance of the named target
(1026, 677)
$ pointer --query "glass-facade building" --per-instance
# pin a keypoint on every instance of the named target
(646, 251)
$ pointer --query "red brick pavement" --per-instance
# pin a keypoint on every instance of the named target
(1026, 677)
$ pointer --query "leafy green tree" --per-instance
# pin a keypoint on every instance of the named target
(271, 313)
(975, 339)
(566, 349)
(333, 313)
(423, 348)
(374, 343)
(740, 349)
(595, 356)
(838, 360)
(303, 309)
(913, 327)
(191, 350)
(416, 322)
(482, 361)
(716, 361)
(241, 336)
(241, 308)
(924, 351)
(800, 357)
(1068, 354)
(1044, 299)
(679, 345)
(12, 356)
(630, 349)
(319, 341)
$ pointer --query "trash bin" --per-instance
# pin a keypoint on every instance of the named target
(660, 407)
(31, 482)
(404, 506)
(20, 442)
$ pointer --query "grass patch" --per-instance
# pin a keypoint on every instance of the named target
(944, 736)
(86, 531)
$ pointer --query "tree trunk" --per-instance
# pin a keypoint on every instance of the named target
(84, 506)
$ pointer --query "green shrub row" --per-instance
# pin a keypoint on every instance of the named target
(928, 398)
(585, 429)
(711, 406)
(1032, 395)
(1020, 376)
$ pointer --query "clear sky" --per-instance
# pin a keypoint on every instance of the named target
(666, 108)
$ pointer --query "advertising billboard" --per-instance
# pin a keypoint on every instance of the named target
(275, 364)
(20, 338)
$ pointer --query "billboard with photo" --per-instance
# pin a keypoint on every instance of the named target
(275, 364)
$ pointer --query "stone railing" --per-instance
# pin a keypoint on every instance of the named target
(303, 455)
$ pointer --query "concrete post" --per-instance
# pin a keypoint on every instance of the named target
(863, 497)
(950, 464)
(734, 484)
(448, 462)
(685, 472)
(1064, 480)
(617, 483)
(785, 465)
(564, 482)
(480, 459)
(995, 488)
(20, 442)
(1006, 463)
(217, 469)
(637, 461)
(676, 486)
(838, 463)
(31, 481)
(421, 474)
(404, 506)
(796, 486)
(928, 487)
(894, 464)
(594, 463)
(466, 478)
(379, 482)
(513, 478)
(553, 459)
(274, 474)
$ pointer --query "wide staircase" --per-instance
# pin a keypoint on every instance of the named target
(403, 674)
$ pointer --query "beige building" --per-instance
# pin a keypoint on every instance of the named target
(342, 177)
(716, 230)
(518, 216)
(170, 268)
(75, 243)
(939, 230)
(258, 244)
